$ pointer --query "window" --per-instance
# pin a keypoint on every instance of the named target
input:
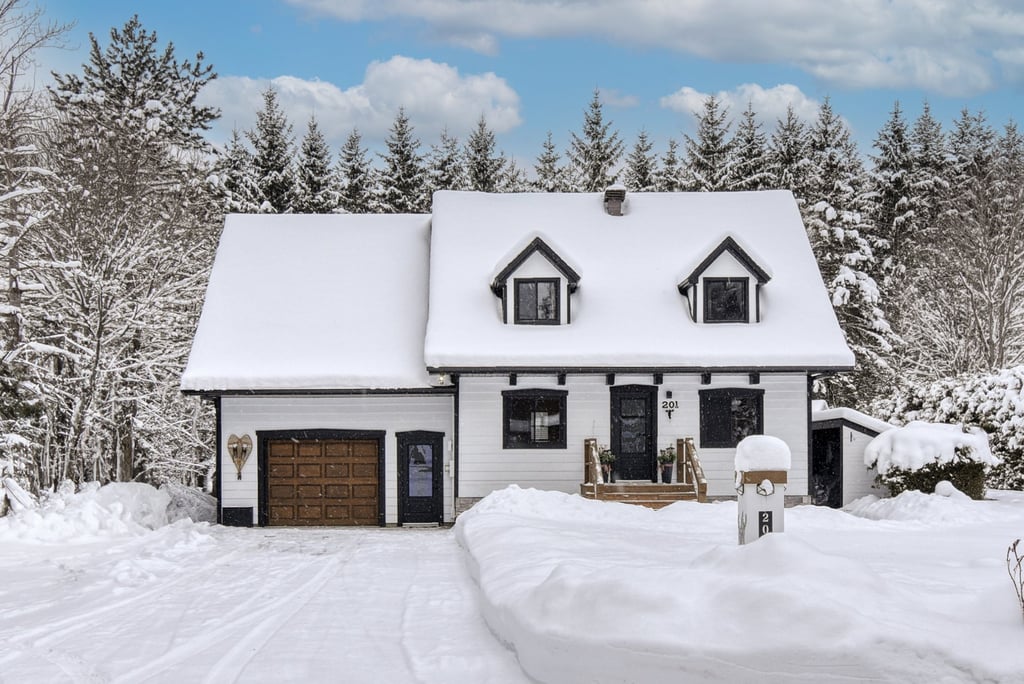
(534, 419)
(728, 415)
(725, 300)
(537, 301)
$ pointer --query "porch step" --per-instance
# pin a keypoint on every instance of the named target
(640, 493)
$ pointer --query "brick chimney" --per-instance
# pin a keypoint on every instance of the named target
(614, 196)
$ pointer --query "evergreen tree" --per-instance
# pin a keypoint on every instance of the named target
(788, 154)
(709, 164)
(272, 160)
(513, 178)
(596, 152)
(929, 171)
(642, 166)
(236, 178)
(316, 191)
(893, 203)
(134, 234)
(356, 177)
(404, 184)
(484, 169)
(972, 146)
(750, 154)
(669, 177)
(551, 176)
(446, 168)
(835, 214)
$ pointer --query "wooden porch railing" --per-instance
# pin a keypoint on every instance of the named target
(689, 469)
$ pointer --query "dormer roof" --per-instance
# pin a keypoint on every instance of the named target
(535, 245)
(729, 244)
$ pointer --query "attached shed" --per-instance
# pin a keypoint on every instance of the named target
(838, 439)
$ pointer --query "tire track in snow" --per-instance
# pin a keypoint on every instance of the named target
(88, 614)
(262, 619)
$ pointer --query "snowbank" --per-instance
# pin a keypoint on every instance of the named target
(115, 509)
(947, 506)
(917, 444)
(762, 452)
(189, 503)
(586, 591)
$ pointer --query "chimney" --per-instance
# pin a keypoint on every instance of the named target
(614, 196)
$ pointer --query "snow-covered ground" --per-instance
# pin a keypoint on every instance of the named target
(912, 589)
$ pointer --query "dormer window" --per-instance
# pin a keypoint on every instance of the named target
(725, 300)
(537, 301)
(725, 287)
(535, 286)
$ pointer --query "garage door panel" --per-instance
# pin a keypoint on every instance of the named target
(323, 482)
(337, 470)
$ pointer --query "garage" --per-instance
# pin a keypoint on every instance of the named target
(321, 478)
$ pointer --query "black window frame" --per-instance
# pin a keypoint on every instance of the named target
(712, 425)
(518, 317)
(516, 399)
(745, 281)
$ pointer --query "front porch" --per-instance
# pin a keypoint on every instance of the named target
(690, 484)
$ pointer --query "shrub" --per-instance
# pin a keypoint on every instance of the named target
(967, 476)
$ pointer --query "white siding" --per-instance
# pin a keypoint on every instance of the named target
(390, 413)
(485, 466)
(858, 480)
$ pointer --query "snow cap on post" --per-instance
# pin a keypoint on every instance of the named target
(614, 198)
(762, 452)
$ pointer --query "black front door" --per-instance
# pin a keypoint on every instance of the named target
(419, 477)
(634, 431)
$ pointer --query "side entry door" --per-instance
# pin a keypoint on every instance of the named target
(420, 488)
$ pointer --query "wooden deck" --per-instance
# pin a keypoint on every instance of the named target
(640, 493)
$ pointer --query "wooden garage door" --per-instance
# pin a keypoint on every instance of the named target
(322, 482)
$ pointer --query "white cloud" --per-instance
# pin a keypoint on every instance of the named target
(434, 95)
(768, 103)
(613, 98)
(944, 46)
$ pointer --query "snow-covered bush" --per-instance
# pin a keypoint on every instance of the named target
(920, 455)
(991, 401)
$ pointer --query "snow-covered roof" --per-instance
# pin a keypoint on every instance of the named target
(850, 415)
(314, 302)
(627, 312)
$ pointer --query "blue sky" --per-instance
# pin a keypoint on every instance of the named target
(531, 66)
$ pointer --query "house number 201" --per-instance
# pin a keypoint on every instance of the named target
(669, 405)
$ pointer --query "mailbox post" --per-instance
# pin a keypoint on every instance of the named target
(762, 472)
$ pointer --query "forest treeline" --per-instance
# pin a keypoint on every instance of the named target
(113, 199)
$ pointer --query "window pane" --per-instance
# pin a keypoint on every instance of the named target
(744, 417)
(527, 301)
(726, 300)
(421, 470)
(729, 415)
(546, 294)
(534, 421)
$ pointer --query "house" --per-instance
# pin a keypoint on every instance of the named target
(395, 369)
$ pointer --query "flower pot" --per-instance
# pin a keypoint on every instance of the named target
(666, 473)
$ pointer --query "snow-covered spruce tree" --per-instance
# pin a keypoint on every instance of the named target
(445, 166)
(484, 168)
(404, 180)
(272, 157)
(316, 189)
(235, 178)
(357, 179)
(892, 202)
(835, 214)
(123, 262)
(513, 177)
(788, 154)
(669, 178)
(642, 165)
(595, 153)
(551, 176)
(25, 207)
(749, 148)
(709, 160)
(929, 171)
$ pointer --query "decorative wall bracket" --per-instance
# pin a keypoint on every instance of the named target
(239, 448)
